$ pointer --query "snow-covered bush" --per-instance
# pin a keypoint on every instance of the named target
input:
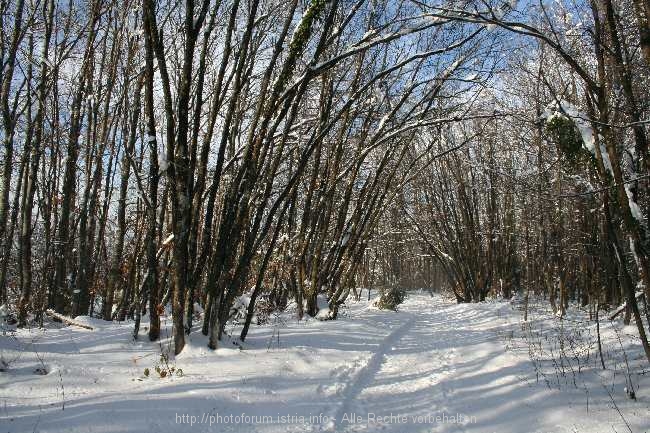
(391, 298)
(261, 313)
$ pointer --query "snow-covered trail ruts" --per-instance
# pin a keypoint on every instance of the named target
(433, 366)
(444, 368)
(402, 385)
(366, 377)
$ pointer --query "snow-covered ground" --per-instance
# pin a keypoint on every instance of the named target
(434, 366)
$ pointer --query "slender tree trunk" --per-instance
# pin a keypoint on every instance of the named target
(152, 261)
(9, 124)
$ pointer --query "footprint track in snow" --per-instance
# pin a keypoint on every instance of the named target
(364, 373)
(341, 376)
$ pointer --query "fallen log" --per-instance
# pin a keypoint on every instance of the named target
(620, 309)
(53, 314)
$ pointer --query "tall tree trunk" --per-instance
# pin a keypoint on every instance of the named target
(62, 289)
(150, 241)
(9, 124)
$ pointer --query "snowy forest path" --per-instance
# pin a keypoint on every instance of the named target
(411, 365)
(433, 366)
(366, 376)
